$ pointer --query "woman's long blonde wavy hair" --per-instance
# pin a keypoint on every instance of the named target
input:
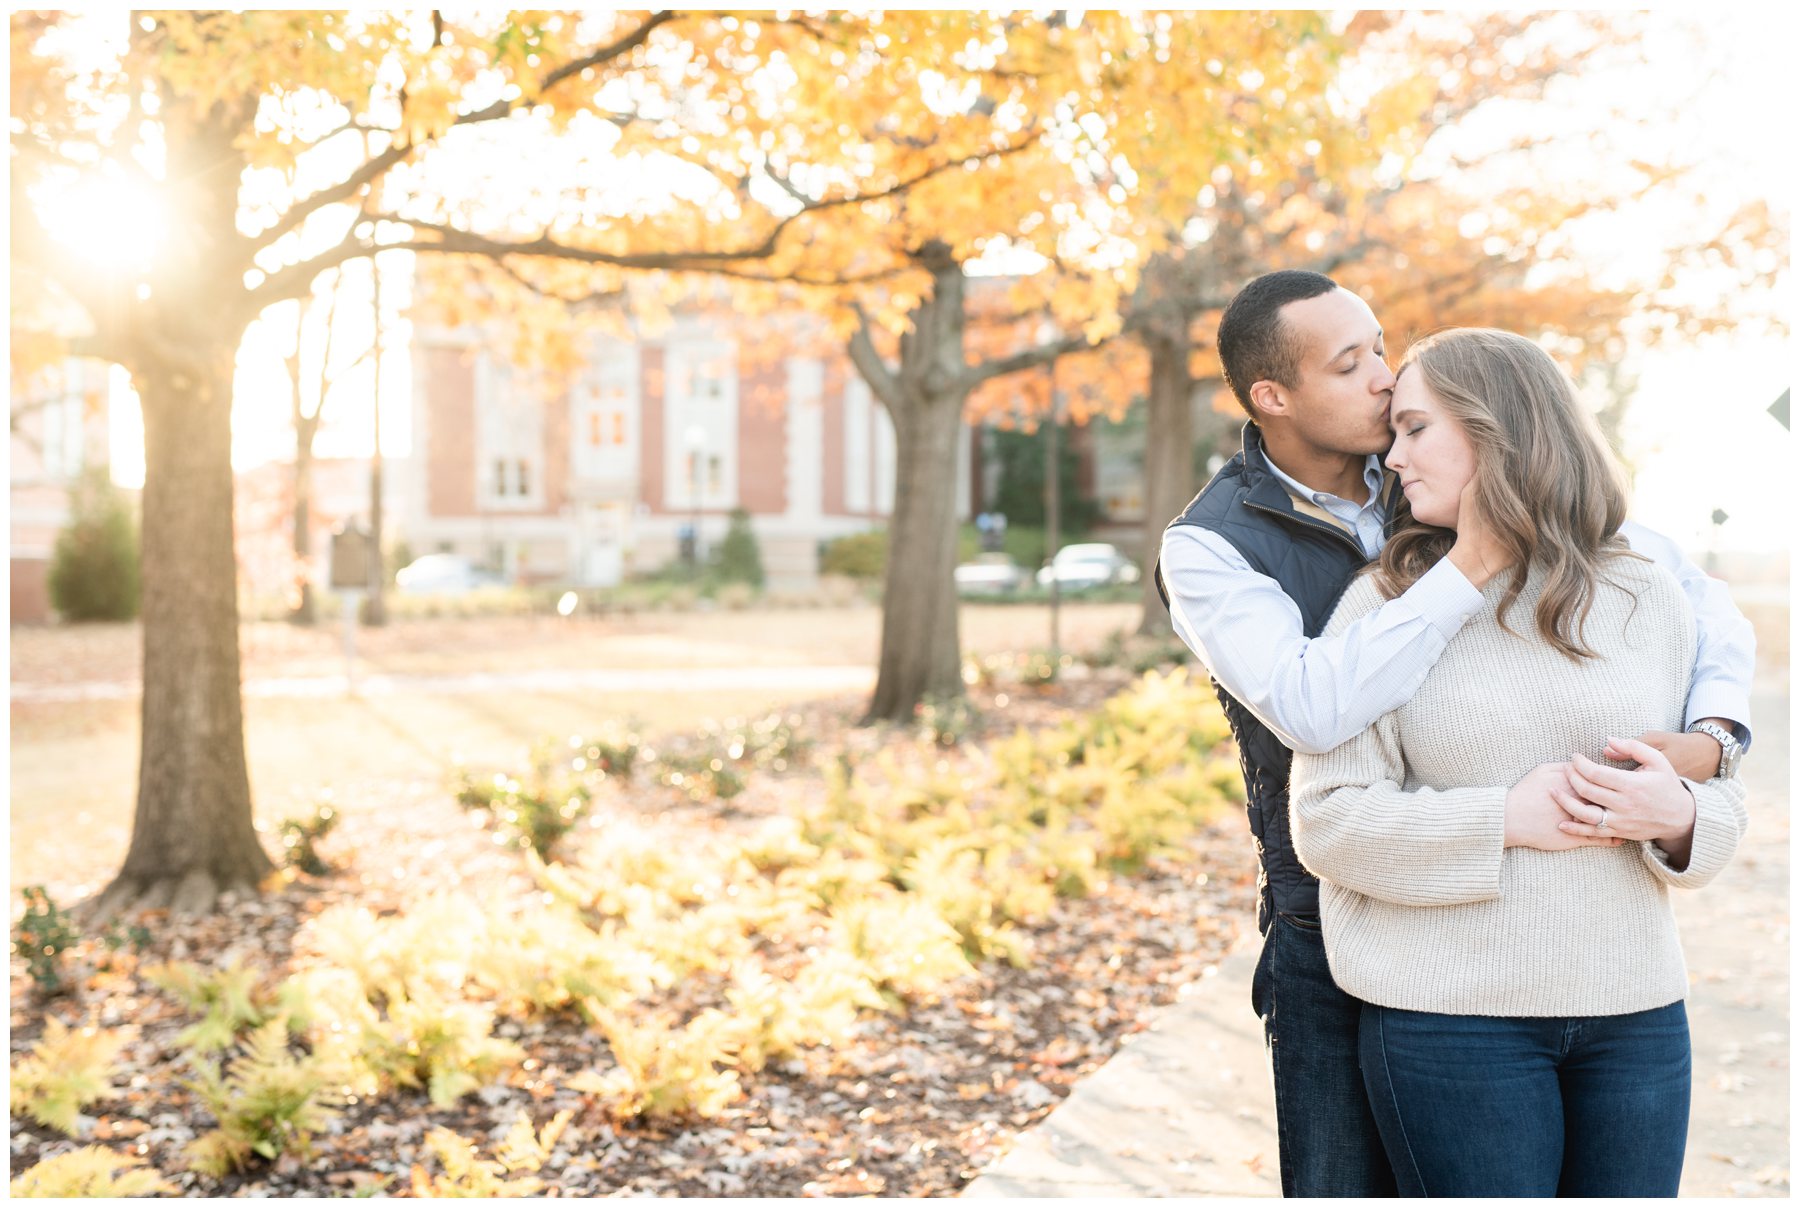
(1544, 477)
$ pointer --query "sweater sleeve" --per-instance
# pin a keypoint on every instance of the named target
(1354, 824)
(1719, 822)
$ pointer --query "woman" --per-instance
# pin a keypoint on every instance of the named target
(1524, 1032)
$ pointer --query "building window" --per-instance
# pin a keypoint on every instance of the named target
(510, 435)
(606, 430)
(606, 400)
(700, 420)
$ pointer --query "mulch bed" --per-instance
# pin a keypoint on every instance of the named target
(916, 1105)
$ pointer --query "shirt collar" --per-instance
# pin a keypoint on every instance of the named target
(1371, 478)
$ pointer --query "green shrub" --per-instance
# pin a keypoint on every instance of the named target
(614, 753)
(228, 1000)
(538, 811)
(94, 566)
(1019, 493)
(769, 742)
(666, 1072)
(270, 1102)
(707, 774)
(946, 719)
(858, 556)
(739, 558)
(299, 836)
(42, 934)
(434, 1042)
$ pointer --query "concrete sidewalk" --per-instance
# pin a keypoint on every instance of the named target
(801, 677)
(1186, 1109)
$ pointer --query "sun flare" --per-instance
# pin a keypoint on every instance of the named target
(105, 219)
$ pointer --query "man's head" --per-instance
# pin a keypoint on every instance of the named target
(1304, 355)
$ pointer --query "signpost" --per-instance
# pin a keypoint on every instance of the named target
(351, 566)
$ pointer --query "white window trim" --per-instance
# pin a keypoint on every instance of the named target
(716, 422)
(493, 408)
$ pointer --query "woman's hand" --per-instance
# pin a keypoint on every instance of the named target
(1534, 815)
(1646, 802)
(1478, 552)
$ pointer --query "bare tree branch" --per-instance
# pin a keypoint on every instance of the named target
(376, 166)
(1030, 358)
(607, 54)
(801, 278)
(594, 299)
(881, 378)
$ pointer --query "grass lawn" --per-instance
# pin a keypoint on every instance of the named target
(74, 763)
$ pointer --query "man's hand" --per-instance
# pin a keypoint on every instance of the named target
(1645, 802)
(1694, 756)
(1478, 552)
(1534, 817)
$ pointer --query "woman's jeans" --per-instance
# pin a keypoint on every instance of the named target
(1477, 1105)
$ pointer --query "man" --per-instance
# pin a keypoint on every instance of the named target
(1251, 571)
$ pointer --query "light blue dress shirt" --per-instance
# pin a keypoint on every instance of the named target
(1316, 693)
(1366, 520)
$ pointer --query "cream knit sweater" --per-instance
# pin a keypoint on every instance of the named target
(1423, 907)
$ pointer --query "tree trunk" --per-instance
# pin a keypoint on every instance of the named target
(192, 835)
(306, 612)
(1168, 462)
(921, 650)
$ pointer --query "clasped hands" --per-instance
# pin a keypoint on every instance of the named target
(1559, 806)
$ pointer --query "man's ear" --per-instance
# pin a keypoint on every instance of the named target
(1268, 398)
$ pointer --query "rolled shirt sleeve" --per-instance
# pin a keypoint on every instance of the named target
(1725, 656)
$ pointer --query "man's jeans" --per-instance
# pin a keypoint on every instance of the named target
(1473, 1105)
(1330, 1145)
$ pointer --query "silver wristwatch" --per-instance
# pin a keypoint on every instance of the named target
(1731, 753)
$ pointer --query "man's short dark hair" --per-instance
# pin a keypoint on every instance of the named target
(1254, 344)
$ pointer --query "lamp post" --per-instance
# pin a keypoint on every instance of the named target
(696, 441)
(1052, 499)
(375, 608)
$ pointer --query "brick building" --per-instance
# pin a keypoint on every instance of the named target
(59, 429)
(598, 480)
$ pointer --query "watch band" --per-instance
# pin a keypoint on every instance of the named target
(1730, 750)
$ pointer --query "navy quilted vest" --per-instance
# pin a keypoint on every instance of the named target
(1314, 562)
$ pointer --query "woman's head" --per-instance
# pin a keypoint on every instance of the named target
(1491, 407)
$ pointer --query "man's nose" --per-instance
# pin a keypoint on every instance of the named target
(1383, 380)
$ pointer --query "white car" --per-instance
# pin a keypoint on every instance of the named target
(991, 574)
(1094, 564)
(443, 574)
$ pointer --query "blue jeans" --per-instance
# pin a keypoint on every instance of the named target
(1476, 1105)
(1329, 1142)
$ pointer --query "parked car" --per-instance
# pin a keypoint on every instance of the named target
(1089, 565)
(444, 574)
(991, 574)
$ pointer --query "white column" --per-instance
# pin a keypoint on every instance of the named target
(805, 422)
